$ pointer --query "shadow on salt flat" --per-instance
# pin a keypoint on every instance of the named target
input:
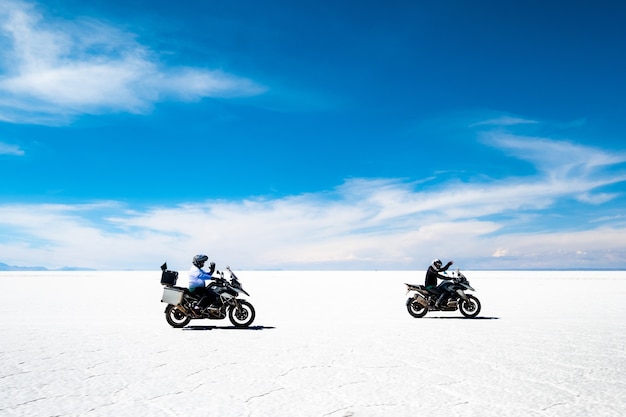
(227, 328)
(460, 318)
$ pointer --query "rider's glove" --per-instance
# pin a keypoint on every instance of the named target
(211, 267)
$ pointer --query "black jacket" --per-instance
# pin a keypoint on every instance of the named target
(432, 274)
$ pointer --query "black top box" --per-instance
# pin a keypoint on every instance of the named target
(169, 277)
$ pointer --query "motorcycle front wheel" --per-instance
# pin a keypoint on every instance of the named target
(241, 315)
(415, 309)
(470, 307)
(175, 317)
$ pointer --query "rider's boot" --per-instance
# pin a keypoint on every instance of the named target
(440, 300)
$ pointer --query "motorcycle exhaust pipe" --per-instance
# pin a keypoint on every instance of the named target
(421, 300)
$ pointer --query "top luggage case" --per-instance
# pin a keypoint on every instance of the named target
(168, 278)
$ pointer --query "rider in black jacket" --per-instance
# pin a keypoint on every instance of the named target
(431, 279)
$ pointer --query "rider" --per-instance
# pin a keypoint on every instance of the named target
(431, 279)
(197, 281)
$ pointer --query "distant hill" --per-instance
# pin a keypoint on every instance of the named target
(5, 267)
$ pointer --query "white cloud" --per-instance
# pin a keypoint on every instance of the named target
(297, 232)
(504, 121)
(500, 252)
(559, 158)
(594, 248)
(7, 149)
(598, 198)
(363, 223)
(566, 168)
(57, 70)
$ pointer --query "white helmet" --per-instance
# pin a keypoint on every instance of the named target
(437, 264)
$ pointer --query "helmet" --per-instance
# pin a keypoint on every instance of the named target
(200, 259)
(437, 263)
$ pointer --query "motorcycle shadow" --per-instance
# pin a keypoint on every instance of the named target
(461, 318)
(227, 328)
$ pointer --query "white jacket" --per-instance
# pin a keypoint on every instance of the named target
(198, 277)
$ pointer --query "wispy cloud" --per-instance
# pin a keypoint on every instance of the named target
(504, 121)
(56, 70)
(8, 149)
(363, 223)
(559, 158)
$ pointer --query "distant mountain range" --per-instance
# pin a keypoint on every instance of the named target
(5, 267)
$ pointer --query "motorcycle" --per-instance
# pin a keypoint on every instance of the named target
(423, 300)
(183, 306)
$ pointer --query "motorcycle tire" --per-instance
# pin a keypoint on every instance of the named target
(415, 309)
(470, 307)
(242, 316)
(175, 317)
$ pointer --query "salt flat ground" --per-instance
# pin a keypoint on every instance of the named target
(333, 344)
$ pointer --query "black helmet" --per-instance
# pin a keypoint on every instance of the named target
(437, 264)
(199, 260)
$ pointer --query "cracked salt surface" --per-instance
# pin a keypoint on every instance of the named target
(323, 344)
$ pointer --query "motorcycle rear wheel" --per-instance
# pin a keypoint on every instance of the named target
(415, 309)
(242, 316)
(470, 307)
(175, 317)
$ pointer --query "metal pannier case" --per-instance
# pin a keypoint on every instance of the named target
(172, 295)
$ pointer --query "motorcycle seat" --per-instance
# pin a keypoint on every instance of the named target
(416, 287)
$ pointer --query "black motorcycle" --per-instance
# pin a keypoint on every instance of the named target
(423, 300)
(183, 306)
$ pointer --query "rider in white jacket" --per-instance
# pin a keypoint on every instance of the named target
(198, 278)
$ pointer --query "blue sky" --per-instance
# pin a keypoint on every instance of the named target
(313, 134)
